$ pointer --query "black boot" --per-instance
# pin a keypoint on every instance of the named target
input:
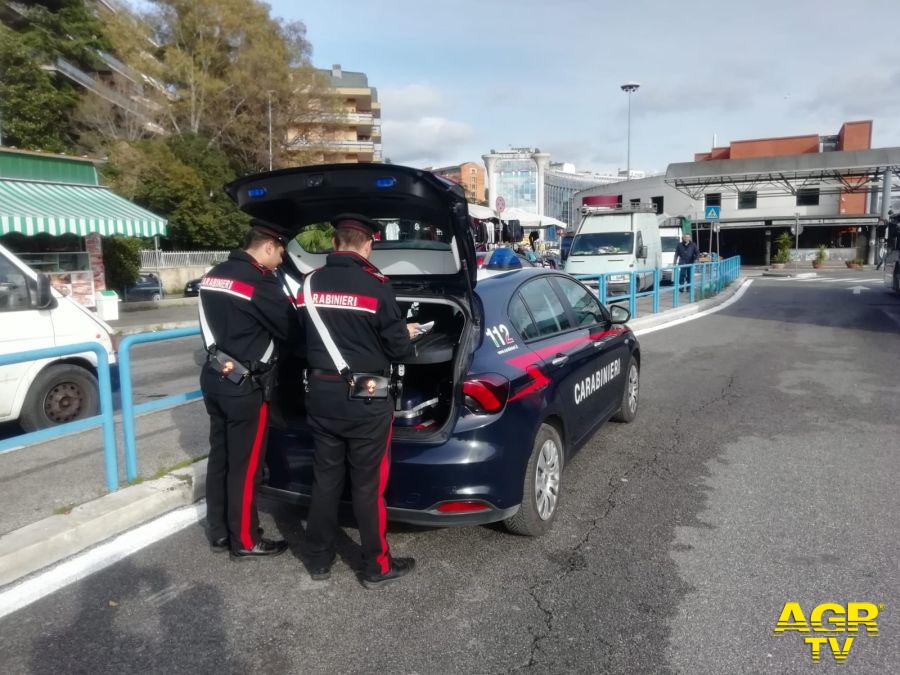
(263, 548)
(400, 567)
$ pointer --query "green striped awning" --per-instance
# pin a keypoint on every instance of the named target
(31, 207)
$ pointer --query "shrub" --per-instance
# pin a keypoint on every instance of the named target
(122, 261)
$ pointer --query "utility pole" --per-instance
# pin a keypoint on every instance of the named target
(629, 88)
(269, 95)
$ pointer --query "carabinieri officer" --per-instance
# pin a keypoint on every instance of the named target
(244, 313)
(360, 314)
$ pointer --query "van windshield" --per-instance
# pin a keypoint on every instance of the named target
(669, 244)
(603, 243)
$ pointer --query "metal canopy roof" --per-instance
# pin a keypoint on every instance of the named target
(851, 170)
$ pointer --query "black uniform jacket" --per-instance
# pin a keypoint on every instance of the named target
(245, 307)
(358, 306)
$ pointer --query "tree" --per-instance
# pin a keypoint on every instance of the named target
(121, 261)
(36, 106)
(181, 179)
(225, 60)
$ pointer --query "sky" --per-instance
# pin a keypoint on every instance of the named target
(457, 79)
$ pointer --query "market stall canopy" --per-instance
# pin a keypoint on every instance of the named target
(528, 219)
(31, 207)
(481, 212)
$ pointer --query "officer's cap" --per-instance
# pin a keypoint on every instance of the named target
(277, 232)
(356, 221)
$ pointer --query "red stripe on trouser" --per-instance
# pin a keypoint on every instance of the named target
(247, 501)
(383, 559)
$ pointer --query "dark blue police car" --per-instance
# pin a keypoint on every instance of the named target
(512, 380)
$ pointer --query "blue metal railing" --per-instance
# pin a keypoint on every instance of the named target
(703, 280)
(129, 410)
(105, 418)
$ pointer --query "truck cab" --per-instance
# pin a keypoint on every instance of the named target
(34, 315)
(619, 238)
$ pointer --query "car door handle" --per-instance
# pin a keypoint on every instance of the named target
(560, 360)
(599, 344)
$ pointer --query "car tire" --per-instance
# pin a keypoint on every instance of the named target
(541, 488)
(155, 297)
(630, 393)
(60, 393)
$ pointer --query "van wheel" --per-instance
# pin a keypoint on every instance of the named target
(60, 393)
(540, 493)
(628, 409)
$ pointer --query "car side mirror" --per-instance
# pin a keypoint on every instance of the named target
(642, 252)
(619, 314)
(44, 297)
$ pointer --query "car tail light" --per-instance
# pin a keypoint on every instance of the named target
(464, 506)
(486, 393)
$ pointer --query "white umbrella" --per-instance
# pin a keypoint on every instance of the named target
(481, 212)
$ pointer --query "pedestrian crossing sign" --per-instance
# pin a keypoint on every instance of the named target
(712, 212)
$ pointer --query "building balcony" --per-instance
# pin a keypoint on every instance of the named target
(105, 92)
(365, 151)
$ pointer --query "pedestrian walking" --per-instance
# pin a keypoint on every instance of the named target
(244, 314)
(882, 251)
(354, 330)
(686, 253)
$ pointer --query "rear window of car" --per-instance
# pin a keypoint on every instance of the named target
(397, 233)
(548, 312)
(521, 319)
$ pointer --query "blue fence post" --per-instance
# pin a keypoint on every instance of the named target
(657, 277)
(105, 419)
(632, 301)
(693, 292)
(676, 285)
(128, 407)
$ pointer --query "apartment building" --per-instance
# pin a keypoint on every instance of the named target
(470, 175)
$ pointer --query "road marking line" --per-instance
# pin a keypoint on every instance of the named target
(100, 557)
(706, 312)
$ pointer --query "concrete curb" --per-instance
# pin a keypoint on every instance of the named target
(41, 544)
(654, 320)
(152, 328)
(791, 275)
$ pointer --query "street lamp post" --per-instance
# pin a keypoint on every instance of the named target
(629, 88)
(269, 96)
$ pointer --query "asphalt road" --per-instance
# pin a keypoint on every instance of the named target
(762, 469)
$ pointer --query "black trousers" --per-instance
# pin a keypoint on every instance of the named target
(365, 444)
(685, 276)
(238, 431)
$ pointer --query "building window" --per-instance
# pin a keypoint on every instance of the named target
(808, 197)
(747, 200)
(619, 200)
(635, 202)
(714, 199)
(658, 203)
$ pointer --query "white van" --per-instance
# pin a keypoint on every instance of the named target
(619, 238)
(33, 315)
(669, 236)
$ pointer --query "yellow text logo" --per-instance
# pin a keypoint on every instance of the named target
(830, 625)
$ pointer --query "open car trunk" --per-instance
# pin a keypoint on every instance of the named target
(426, 381)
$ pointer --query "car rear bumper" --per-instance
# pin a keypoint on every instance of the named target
(427, 518)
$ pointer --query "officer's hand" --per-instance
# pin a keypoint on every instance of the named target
(413, 329)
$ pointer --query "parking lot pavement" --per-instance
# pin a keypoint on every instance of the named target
(762, 469)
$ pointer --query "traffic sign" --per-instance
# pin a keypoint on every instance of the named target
(500, 204)
(716, 226)
(712, 212)
(796, 229)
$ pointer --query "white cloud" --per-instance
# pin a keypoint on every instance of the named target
(427, 141)
(415, 127)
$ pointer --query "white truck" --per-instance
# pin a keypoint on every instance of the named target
(33, 315)
(618, 238)
(670, 231)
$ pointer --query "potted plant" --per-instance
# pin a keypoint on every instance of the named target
(783, 253)
(856, 263)
(821, 256)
